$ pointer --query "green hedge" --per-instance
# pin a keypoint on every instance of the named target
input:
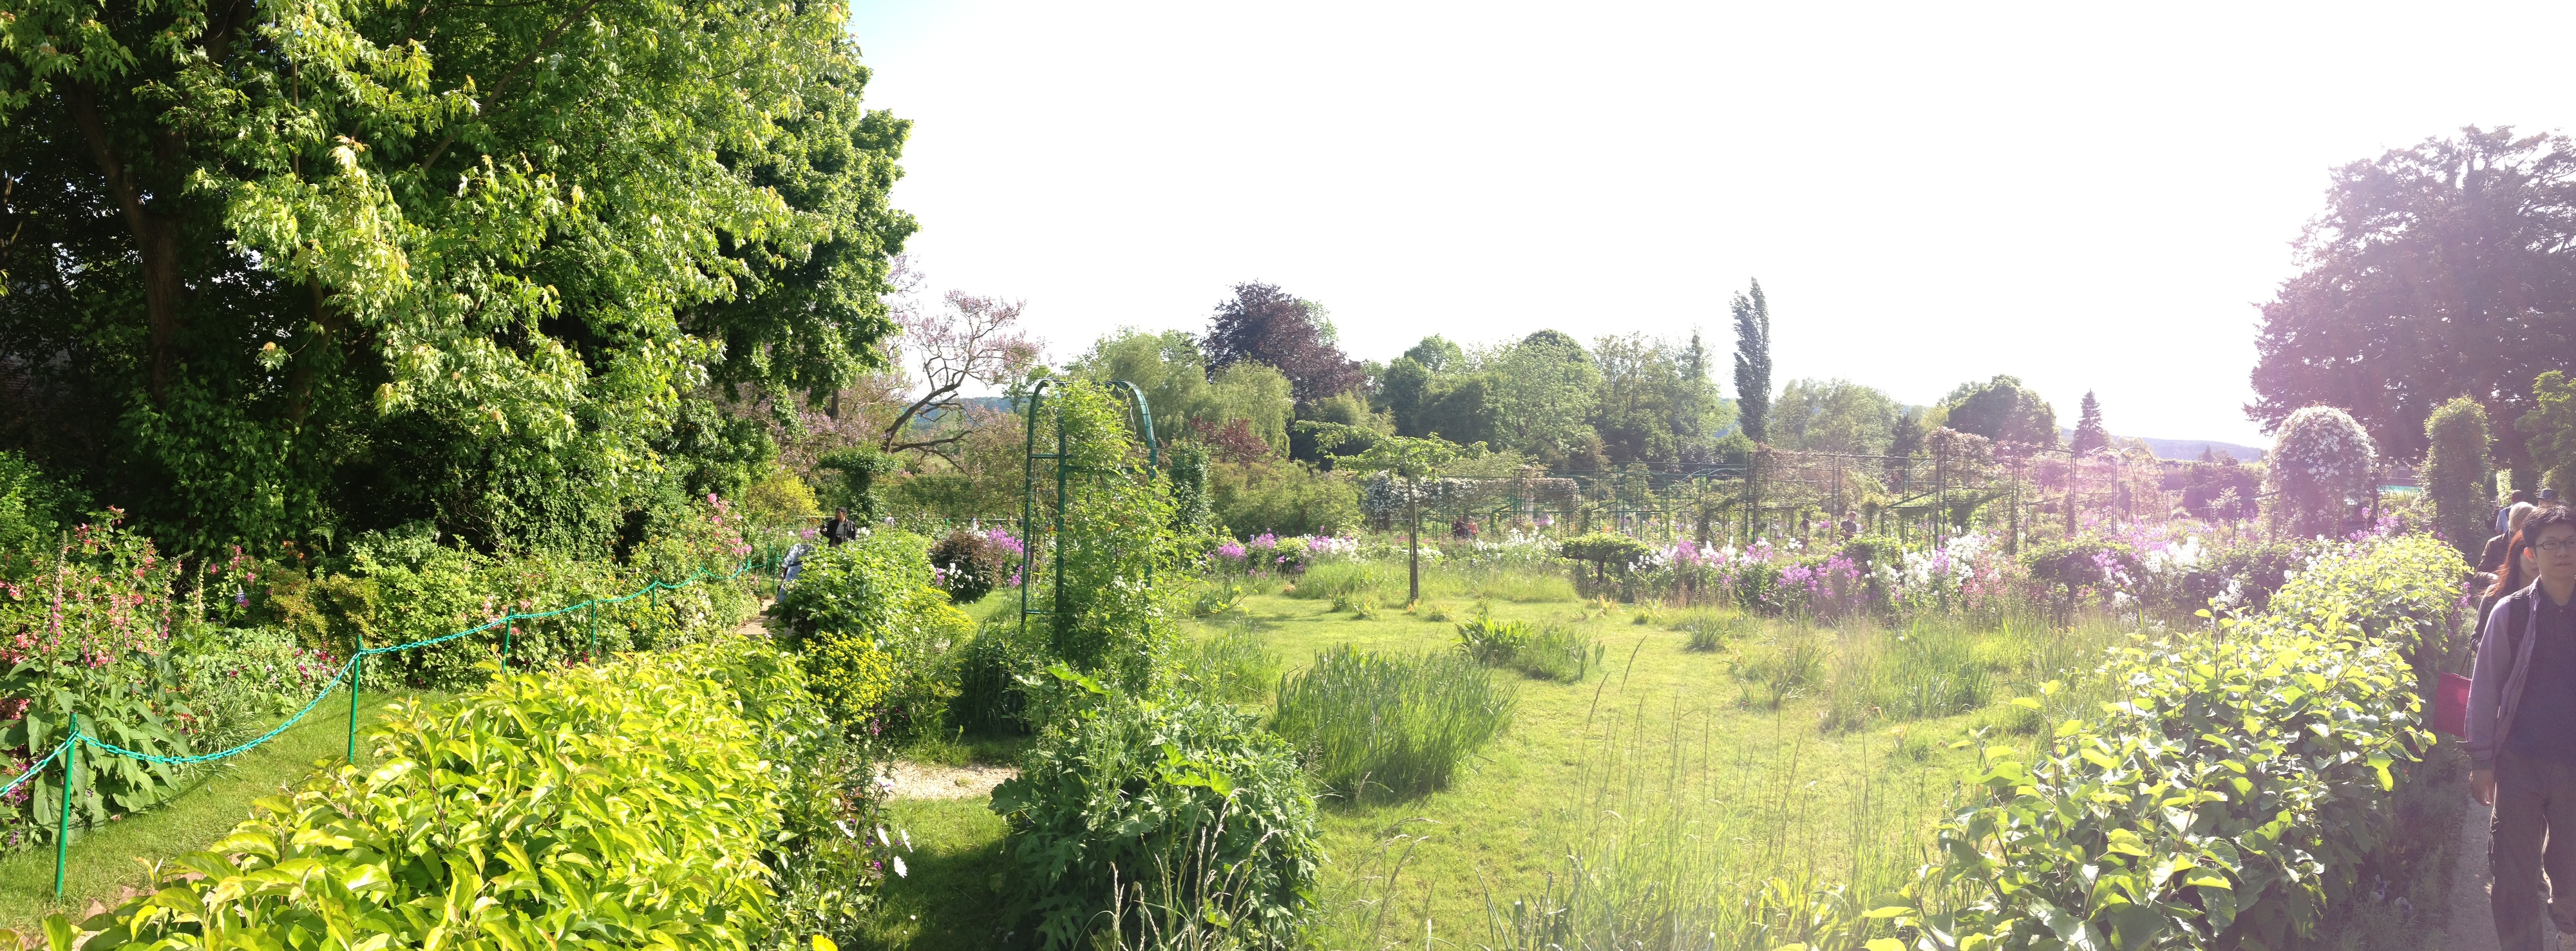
(630, 804)
(2228, 800)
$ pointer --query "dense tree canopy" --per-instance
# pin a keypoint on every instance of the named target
(287, 269)
(2443, 269)
(2002, 409)
(1265, 324)
(1833, 416)
(1655, 402)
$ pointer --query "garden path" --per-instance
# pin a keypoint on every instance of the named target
(2472, 923)
(906, 780)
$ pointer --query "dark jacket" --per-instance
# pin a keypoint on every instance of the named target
(840, 530)
(2492, 561)
(2495, 684)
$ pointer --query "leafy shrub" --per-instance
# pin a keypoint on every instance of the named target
(2241, 578)
(629, 803)
(2229, 801)
(990, 672)
(2085, 563)
(1490, 641)
(969, 564)
(1154, 817)
(235, 681)
(1398, 724)
(1117, 617)
(872, 630)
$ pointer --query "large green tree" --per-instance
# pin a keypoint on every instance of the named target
(2002, 409)
(279, 269)
(1833, 416)
(1541, 392)
(1655, 402)
(2445, 268)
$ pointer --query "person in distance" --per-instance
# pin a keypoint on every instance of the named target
(2522, 716)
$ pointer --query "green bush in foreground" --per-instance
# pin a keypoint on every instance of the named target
(1169, 822)
(872, 628)
(633, 804)
(1398, 724)
(2232, 796)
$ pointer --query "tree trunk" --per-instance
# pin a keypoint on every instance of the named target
(1413, 555)
(156, 238)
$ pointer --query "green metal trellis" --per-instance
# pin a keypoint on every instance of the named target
(1029, 530)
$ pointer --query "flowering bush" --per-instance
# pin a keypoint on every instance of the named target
(970, 562)
(1271, 554)
(2320, 466)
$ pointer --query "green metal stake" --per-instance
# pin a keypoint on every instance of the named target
(63, 828)
(357, 674)
(506, 621)
(594, 632)
(655, 612)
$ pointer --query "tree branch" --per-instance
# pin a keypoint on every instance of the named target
(515, 71)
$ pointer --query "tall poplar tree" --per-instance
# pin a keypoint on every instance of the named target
(1753, 362)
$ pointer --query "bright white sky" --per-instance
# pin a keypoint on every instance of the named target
(1929, 193)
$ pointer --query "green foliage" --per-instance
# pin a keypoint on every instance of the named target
(969, 564)
(34, 510)
(2402, 591)
(1605, 551)
(1119, 614)
(859, 466)
(1541, 392)
(2090, 434)
(1655, 402)
(1753, 362)
(2320, 467)
(871, 629)
(632, 803)
(1558, 653)
(2241, 578)
(2232, 797)
(2551, 425)
(330, 268)
(1199, 820)
(2004, 410)
(1231, 666)
(2085, 562)
(1395, 724)
(1833, 416)
(1286, 498)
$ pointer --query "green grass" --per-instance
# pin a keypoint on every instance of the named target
(1372, 724)
(1777, 758)
(105, 863)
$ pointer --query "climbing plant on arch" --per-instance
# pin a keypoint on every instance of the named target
(1100, 550)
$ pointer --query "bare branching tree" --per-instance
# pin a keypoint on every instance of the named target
(969, 339)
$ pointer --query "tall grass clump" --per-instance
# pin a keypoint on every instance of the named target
(1519, 584)
(1791, 661)
(1558, 653)
(1231, 666)
(1393, 724)
(1347, 582)
(1709, 628)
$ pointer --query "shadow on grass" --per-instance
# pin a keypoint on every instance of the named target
(950, 899)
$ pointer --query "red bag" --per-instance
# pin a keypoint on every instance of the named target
(2451, 706)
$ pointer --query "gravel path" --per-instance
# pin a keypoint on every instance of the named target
(926, 781)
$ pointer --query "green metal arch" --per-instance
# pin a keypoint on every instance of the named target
(1029, 532)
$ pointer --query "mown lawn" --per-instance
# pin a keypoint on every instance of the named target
(1783, 795)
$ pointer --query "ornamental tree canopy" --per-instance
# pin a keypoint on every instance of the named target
(275, 269)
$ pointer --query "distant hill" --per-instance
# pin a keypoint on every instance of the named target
(2185, 449)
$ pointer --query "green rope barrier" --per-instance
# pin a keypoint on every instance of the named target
(355, 672)
(63, 828)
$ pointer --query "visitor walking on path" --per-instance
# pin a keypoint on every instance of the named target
(2522, 738)
(2504, 513)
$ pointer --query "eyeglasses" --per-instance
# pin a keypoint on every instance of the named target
(2555, 544)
